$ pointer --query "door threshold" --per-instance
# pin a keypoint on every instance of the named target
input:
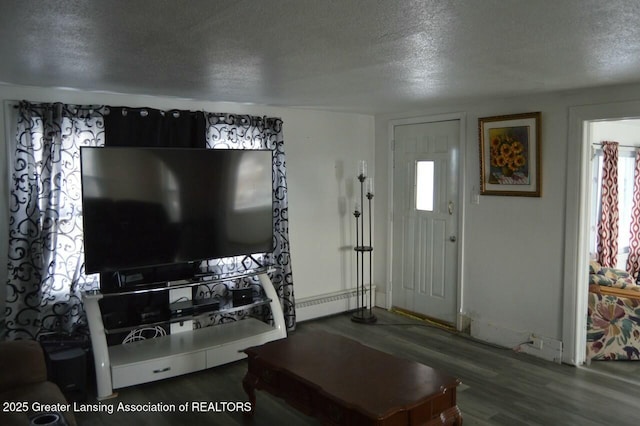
(425, 318)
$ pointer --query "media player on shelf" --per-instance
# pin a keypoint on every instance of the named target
(181, 309)
(206, 305)
(194, 307)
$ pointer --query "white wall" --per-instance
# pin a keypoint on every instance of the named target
(514, 247)
(626, 132)
(322, 150)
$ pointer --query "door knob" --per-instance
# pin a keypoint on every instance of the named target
(453, 238)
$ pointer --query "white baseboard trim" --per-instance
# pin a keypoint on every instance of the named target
(549, 349)
(330, 303)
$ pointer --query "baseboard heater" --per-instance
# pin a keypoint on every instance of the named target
(331, 303)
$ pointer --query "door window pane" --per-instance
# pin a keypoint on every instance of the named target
(424, 185)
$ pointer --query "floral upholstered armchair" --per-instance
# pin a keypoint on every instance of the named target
(613, 321)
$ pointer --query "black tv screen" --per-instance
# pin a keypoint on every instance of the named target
(145, 207)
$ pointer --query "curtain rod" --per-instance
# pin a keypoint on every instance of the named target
(599, 145)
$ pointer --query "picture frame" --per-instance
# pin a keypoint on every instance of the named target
(510, 161)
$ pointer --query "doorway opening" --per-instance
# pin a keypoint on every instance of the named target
(578, 221)
(626, 133)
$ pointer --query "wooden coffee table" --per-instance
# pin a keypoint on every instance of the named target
(342, 382)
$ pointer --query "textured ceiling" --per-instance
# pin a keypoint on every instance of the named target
(349, 55)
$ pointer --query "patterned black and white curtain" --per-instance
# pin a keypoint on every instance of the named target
(46, 270)
(233, 131)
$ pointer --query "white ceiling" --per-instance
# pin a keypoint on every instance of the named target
(345, 55)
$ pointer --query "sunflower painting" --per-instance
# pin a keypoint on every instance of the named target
(510, 155)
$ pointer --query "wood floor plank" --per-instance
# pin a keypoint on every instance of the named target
(499, 386)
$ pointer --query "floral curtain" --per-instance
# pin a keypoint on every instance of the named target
(607, 251)
(633, 261)
(45, 268)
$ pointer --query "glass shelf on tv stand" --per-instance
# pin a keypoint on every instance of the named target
(203, 278)
(226, 307)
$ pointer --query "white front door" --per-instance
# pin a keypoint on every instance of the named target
(425, 219)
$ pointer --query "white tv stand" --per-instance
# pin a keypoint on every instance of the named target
(179, 353)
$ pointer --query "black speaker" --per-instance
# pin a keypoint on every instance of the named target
(67, 367)
(241, 296)
(116, 319)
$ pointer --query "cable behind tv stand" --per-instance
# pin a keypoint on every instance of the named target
(182, 352)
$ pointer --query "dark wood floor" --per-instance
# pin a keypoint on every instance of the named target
(499, 386)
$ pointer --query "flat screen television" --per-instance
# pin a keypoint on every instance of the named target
(152, 207)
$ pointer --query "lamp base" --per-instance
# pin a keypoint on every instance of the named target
(364, 317)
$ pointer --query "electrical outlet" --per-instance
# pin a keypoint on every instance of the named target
(536, 342)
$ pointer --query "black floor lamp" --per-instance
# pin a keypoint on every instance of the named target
(362, 313)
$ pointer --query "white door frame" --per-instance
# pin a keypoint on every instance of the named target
(461, 117)
(578, 200)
